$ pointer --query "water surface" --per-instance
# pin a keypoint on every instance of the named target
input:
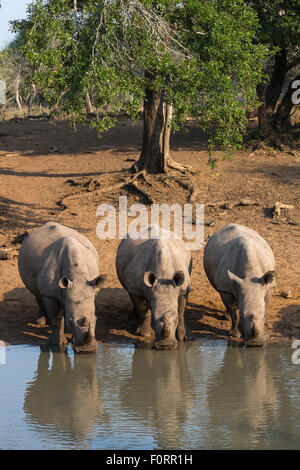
(205, 395)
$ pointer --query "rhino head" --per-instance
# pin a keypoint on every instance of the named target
(79, 303)
(252, 293)
(162, 297)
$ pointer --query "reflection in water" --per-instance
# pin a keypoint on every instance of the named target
(64, 399)
(161, 393)
(248, 396)
(204, 395)
(243, 401)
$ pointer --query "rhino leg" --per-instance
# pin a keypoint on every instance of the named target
(232, 310)
(142, 316)
(181, 330)
(133, 316)
(42, 318)
(235, 318)
(57, 322)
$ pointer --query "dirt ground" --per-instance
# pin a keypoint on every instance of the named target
(41, 162)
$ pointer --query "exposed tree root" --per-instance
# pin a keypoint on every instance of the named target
(143, 175)
(231, 204)
(146, 197)
(189, 186)
(130, 182)
(114, 187)
(170, 164)
(182, 168)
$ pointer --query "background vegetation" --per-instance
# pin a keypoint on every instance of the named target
(214, 61)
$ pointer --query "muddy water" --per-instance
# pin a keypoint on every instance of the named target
(203, 396)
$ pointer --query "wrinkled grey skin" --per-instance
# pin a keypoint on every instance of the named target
(240, 265)
(60, 267)
(156, 274)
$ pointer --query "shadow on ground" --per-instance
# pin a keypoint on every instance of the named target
(18, 312)
(42, 138)
(288, 326)
(15, 215)
(204, 329)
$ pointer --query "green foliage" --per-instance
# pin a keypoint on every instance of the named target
(202, 55)
(280, 28)
(279, 21)
(222, 34)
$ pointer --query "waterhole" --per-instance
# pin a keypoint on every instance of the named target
(205, 395)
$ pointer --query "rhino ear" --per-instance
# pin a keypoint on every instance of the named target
(235, 278)
(150, 279)
(98, 282)
(65, 283)
(268, 277)
(178, 278)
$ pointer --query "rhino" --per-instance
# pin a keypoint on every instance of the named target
(154, 268)
(60, 267)
(240, 265)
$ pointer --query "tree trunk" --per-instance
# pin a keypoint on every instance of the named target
(3, 108)
(30, 99)
(88, 102)
(270, 95)
(152, 158)
(29, 104)
(282, 120)
(263, 122)
(18, 100)
(274, 88)
(155, 155)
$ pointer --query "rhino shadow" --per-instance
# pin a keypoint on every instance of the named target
(193, 316)
(113, 306)
(18, 312)
(64, 400)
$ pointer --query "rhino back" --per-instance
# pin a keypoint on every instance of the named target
(65, 257)
(37, 241)
(161, 256)
(238, 249)
(42, 251)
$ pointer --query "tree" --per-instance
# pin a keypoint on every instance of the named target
(179, 59)
(280, 29)
(17, 72)
(14, 71)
